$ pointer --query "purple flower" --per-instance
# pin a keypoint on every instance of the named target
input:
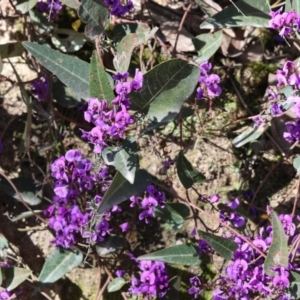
(51, 7)
(293, 132)
(120, 273)
(276, 109)
(125, 227)
(258, 120)
(195, 289)
(214, 198)
(137, 82)
(119, 76)
(200, 93)
(40, 88)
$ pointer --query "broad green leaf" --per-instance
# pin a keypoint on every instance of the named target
(225, 247)
(278, 253)
(123, 158)
(206, 45)
(249, 135)
(72, 3)
(40, 21)
(209, 7)
(174, 291)
(73, 72)
(165, 88)
(287, 91)
(179, 254)
(25, 6)
(95, 15)
(59, 263)
(187, 174)
(26, 187)
(100, 86)
(111, 244)
(15, 276)
(125, 47)
(292, 5)
(67, 40)
(121, 190)
(296, 164)
(294, 287)
(173, 214)
(11, 50)
(242, 13)
(64, 96)
(116, 284)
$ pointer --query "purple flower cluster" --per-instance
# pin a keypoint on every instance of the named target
(69, 217)
(111, 122)
(116, 8)
(153, 281)
(245, 277)
(209, 83)
(288, 76)
(231, 215)
(152, 199)
(40, 88)
(286, 23)
(51, 7)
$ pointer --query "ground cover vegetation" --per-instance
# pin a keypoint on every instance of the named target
(172, 172)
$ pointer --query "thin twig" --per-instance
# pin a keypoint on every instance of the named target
(214, 218)
(296, 199)
(250, 112)
(262, 183)
(180, 26)
(21, 198)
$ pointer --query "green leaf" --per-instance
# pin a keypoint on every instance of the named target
(249, 135)
(294, 287)
(59, 263)
(187, 174)
(100, 86)
(242, 13)
(278, 253)
(3, 246)
(165, 88)
(15, 276)
(25, 215)
(206, 45)
(0, 276)
(174, 291)
(131, 40)
(68, 40)
(225, 247)
(40, 21)
(173, 214)
(124, 158)
(25, 6)
(71, 3)
(73, 72)
(292, 5)
(209, 7)
(179, 254)
(95, 15)
(121, 190)
(111, 244)
(11, 50)
(26, 187)
(64, 96)
(116, 284)
(296, 164)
